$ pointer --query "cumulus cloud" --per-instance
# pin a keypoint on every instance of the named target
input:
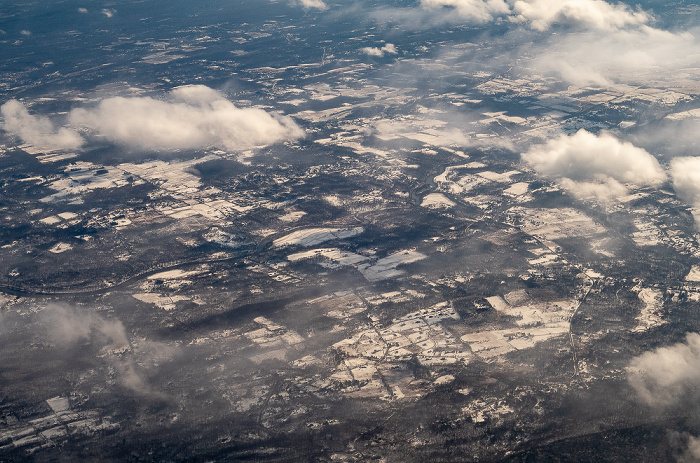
(592, 14)
(191, 117)
(477, 10)
(668, 376)
(685, 175)
(313, 4)
(604, 190)
(109, 12)
(666, 379)
(82, 10)
(594, 166)
(388, 49)
(35, 130)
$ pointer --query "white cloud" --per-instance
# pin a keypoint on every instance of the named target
(639, 56)
(109, 12)
(69, 326)
(685, 174)
(673, 136)
(539, 15)
(666, 379)
(693, 450)
(594, 166)
(317, 4)
(688, 444)
(82, 10)
(66, 326)
(477, 10)
(191, 117)
(35, 130)
(668, 376)
(592, 14)
(603, 190)
(604, 43)
(389, 48)
(630, 56)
